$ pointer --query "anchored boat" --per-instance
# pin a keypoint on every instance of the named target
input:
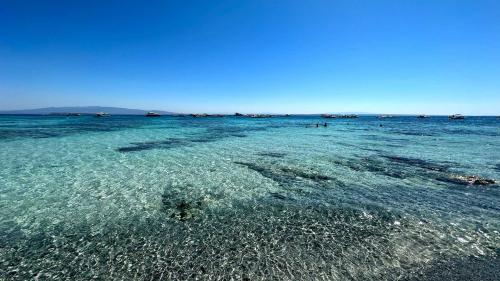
(456, 116)
(101, 114)
(152, 114)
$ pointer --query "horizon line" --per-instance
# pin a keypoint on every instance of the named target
(168, 112)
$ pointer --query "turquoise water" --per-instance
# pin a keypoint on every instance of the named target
(129, 197)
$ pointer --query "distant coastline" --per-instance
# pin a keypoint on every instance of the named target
(84, 110)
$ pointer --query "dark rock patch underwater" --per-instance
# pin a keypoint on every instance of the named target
(211, 134)
(372, 165)
(416, 163)
(286, 176)
(297, 184)
(405, 167)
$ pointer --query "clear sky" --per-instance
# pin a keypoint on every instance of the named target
(427, 56)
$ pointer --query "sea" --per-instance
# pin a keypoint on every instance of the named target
(237, 198)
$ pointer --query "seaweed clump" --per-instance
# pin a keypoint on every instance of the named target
(179, 206)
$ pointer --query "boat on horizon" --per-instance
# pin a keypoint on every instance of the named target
(348, 116)
(456, 116)
(152, 114)
(260, 116)
(197, 115)
(422, 116)
(341, 116)
(102, 114)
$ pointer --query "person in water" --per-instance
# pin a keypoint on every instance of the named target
(325, 125)
(317, 125)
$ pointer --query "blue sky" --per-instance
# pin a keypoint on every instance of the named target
(253, 56)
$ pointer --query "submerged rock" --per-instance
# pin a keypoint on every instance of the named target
(471, 180)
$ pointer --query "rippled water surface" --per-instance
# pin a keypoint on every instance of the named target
(129, 197)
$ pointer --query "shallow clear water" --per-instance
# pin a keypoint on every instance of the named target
(129, 197)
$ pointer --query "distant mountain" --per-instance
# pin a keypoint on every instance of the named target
(83, 110)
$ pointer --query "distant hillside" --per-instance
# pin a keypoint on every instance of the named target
(84, 110)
